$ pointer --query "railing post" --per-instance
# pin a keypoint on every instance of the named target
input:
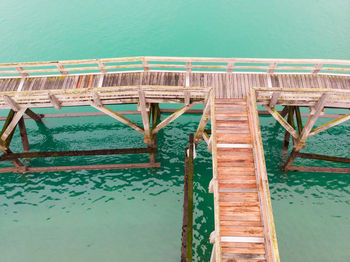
(20, 70)
(230, 66)
(317, 69)
(101, 65)
(61, 68)
(188, 72)
(272, 68)
(145, 65)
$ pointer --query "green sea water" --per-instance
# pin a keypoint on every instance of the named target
(133, 215)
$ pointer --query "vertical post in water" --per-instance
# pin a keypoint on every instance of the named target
(187, 226)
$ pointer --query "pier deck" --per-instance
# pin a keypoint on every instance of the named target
(229, 89)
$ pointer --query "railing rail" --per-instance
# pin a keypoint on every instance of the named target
(272, 253)
(185, 64)
(109, 95)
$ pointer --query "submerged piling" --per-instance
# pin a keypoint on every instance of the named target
(187, 223)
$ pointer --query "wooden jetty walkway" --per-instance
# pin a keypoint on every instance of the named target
(229, 90)
(244, 229)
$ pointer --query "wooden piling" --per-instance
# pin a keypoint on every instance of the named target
(187, 223)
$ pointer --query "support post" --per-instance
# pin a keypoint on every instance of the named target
(285, 143)
(155, 111)
(187, 231)
(145, 118)
(24, 136)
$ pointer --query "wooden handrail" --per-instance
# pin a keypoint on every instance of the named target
(271, 245)
(44, 98)
(146, 63)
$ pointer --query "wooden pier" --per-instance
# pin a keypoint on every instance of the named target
(229, 90)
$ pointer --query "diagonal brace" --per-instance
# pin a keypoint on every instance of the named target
(330, 124)
(13, 124)
(171, 118)
(202, 123)
(118, 117)
(282, 121)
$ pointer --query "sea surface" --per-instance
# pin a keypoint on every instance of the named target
(134, 215)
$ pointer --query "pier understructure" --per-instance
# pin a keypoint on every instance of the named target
(232, 91)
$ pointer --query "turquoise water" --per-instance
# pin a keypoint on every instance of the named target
(129, 215)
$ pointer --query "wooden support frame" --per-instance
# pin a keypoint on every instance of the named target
(301, 139)
(16, 118)
(302, 133)
(150, 118)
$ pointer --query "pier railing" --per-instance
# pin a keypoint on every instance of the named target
(272, 253)
(185, 64)
(108, 95)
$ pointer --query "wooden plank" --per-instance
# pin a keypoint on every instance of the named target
(320, 169)
(243, 239)
(90, 152)
(234, 146)
(323, 157)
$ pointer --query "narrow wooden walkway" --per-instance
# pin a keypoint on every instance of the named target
(242, 235)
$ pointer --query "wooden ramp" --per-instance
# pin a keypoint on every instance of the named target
(244, 232)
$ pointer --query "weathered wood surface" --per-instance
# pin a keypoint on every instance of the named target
(187, 64)
(117, 88)
(58, 90)
(244, 232)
